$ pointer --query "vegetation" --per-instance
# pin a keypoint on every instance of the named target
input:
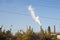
(28, 35)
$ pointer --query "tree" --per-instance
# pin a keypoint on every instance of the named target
(41, 34)
(8, 35)
(29, 34)
(18, 36)
(48, 36)
(49, 30)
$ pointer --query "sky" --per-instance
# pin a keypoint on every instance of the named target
(16, 13)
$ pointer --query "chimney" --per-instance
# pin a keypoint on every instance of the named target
(54, 29)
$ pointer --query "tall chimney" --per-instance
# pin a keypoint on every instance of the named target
(54, 29)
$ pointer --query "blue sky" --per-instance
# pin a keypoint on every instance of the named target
(15, 12)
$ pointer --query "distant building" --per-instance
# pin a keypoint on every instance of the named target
(55, 34)
(58, 36)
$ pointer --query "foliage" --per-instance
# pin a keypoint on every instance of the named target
(28, 35)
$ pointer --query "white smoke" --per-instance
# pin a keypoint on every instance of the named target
(36, 18)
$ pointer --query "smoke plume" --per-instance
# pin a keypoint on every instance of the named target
(36, 18)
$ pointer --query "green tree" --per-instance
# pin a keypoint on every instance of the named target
(49, 30)
(41, 34)
(29, 34)
(48, 34)
(18, 36)
(8, 35)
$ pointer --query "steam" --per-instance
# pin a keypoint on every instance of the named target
(36, 18)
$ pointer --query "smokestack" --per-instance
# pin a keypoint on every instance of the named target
(54, 29)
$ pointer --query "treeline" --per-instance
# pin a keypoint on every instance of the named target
(28, 35)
